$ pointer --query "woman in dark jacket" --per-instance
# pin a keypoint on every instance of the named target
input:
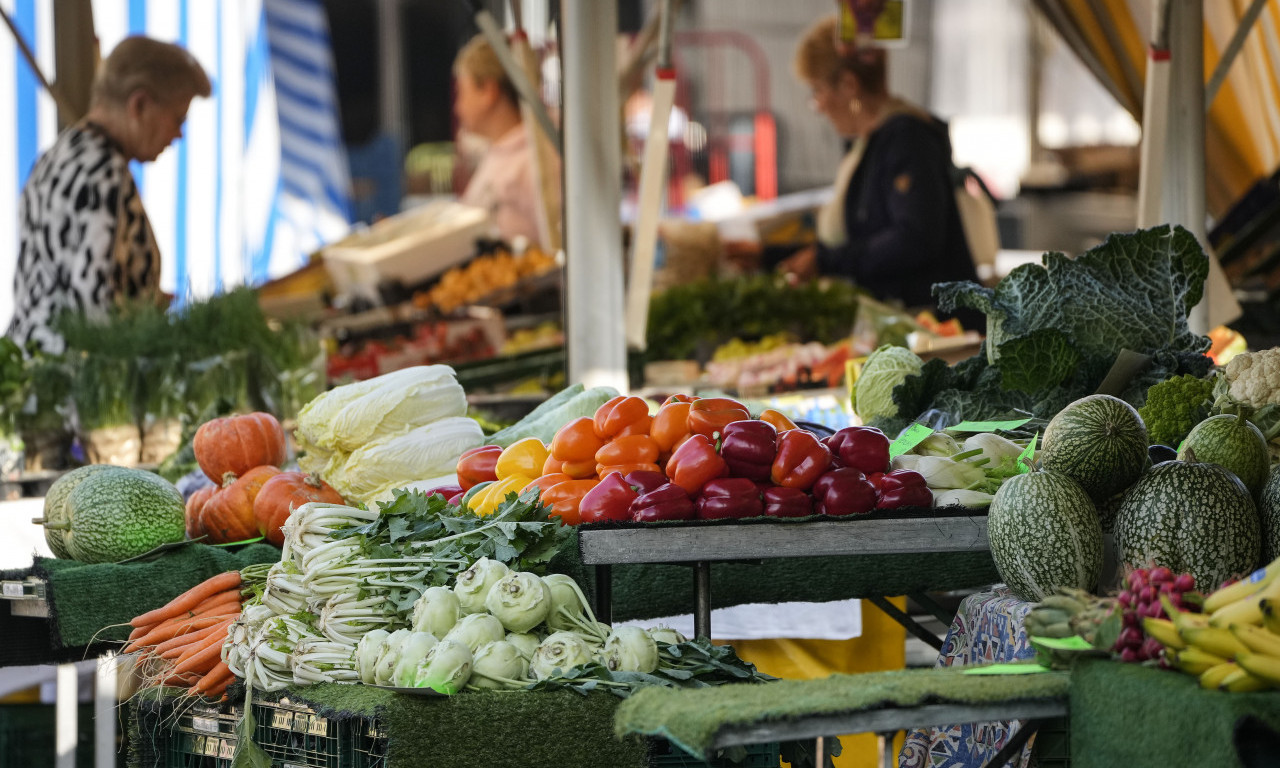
(893, 227)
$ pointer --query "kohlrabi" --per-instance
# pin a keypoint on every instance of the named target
(446, 668)
(367, 652)
(476, 629)
(436, 611)
(569, 609)
(472, 585)
(499, 665)
(630, 649)
(525, 642)
(560, 651)
(386, 666)
(412, 651)
(520, 600)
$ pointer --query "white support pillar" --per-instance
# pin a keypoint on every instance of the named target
(391, 69)
(104, 711)
(595, 339)
(66, 708)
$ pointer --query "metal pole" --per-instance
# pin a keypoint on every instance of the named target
(1155, 119)
(1232, 50)
(391, 69)
(592, 179)
(65, 710)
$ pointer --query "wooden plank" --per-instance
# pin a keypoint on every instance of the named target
(675, 544)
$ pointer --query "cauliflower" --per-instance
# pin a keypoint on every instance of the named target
(1174, 406)
(1253, 378)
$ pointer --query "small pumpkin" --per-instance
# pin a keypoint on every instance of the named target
(195, 505)
(284, 493)
(237, 444)
(228, 514)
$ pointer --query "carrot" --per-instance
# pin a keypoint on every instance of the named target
(232, 600)
(189, 599)
(140, 631)
(183, 640)
(219, 689)
(204, 657)
(169, 631)
(220, 673)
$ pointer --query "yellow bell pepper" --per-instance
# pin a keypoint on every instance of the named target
(524, 457)
(486, 501)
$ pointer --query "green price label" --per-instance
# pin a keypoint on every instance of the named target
(987, 426)
(1073, 643)
(1007, 669)
(913, 436)
(1028, 453)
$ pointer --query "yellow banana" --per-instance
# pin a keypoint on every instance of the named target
(1271, 615)
(1180, 618)
(1257, 639)
(1212, 677)
(1215, 640)
(1194, 661)
(1240, 681)
(1247, 610)
(1261, 666)
(1243, 588)
(1164, 631)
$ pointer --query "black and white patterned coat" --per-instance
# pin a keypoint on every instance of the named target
(84, 238)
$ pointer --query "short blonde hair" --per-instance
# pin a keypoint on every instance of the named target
(165, 71)
(820, 60)
(478, 60)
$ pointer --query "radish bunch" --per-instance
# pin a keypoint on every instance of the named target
(1141, 599)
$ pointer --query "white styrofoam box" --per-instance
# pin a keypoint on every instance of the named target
(409, 247)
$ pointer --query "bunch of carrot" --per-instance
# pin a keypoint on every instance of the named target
(182, 640)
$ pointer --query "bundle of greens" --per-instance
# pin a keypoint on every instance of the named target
(1054, 330)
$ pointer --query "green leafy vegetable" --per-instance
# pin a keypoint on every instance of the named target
(884, 369)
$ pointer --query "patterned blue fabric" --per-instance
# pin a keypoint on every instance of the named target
(987, 629)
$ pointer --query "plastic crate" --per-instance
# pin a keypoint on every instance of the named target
(296, 737)
(667, 755)
(27, 735)
(1052, 746)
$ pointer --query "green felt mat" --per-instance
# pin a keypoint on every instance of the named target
(691, 718)
(1130, 715)
(84, 599)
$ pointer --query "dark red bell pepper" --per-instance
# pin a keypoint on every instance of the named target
(729, 497)
(646, 480)
(801, 460)
(476, 466)
(786, 502)
(694, 463)
(668, 502)
(749, 448)
(844, 491)
(903, 488)
(866, 449)
(610, 501)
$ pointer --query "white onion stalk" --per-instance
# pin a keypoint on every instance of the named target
(367, 652)
(436, 611)
(472, 585)
(323, 661)
(630, 649)
(560, 652)
(446, 668)
(412, 651)
(344, 619)
(525, 642)
(520, 600)
(570, 611)
(499, 665)
(475, 630)
(386, 666)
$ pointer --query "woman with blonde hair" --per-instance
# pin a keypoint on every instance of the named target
(84, 238)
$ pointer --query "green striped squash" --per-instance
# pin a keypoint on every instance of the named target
(1044, 534)
(1100, 442)
(55, 507)
(1190, 516)
(1234, 443)
(1269, 512)
(121, 513)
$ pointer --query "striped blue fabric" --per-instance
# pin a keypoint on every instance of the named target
(259, 180)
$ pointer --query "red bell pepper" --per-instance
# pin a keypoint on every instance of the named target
(646, 480)
(694, 463)
(866, 449)
(729, 497)
(608, 501)
(903, 488)
(844, 491)
(476, 466)
(617, 414)
(749, 448)
(801, 460)
(710, 415)
(786, 502)
(666, 502)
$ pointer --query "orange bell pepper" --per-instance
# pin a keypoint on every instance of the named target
(671, 426)
(711, 414)
(575, 445)
(603, 471)
(632, 449)
(778, 419)
(552, 466)
(523, 457)
(679, 398)
(564, 498)
(617, 414)
(637, 427)
(546, 481)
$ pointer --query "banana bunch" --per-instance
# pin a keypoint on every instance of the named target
(1235, 644)
(1069, 612)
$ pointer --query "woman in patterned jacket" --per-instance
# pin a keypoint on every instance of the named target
(85, 241)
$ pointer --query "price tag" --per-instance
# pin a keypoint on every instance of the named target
(319, 726)
(228, 749)
(1073, 643)
(913, 436)
(1028, 453)
(13, 589)
(988, 426)
(206, 724)
(1007, 669)
(282, 719)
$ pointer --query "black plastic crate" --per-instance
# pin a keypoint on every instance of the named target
(300, 738)
(667, 755)
(1052, 745)
(27, 735)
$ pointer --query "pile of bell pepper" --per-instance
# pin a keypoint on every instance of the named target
(694, 459)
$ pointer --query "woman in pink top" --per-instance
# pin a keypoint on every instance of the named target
(486, 105)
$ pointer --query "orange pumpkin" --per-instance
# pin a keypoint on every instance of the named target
(228, 514)
(237, 444)
(284, 493)
(195, 505)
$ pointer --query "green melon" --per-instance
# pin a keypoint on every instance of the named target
(55, 506)
(1234, 443)
(121, 513)
(1044, 534)
(1100, 442)
(1269, 512)
(1190, 516)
